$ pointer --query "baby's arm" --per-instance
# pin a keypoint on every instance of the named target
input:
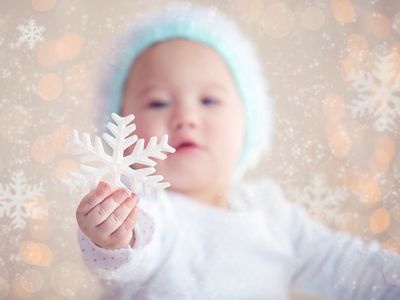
(337, 265)
(131, 257)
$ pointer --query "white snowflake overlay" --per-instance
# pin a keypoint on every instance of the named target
(116, 167)
(320, 200)
(19, 201)
(30, 34)
(378, 94)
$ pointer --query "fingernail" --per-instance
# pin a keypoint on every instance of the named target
(125, 193)
(102, 186)
(135, 197)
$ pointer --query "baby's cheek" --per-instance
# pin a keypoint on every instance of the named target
(145, 130)
(231, 144)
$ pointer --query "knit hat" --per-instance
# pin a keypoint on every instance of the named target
(213, 28)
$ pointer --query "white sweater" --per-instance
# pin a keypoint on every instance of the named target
(260, 249)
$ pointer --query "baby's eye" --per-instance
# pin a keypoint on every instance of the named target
(209, 101)
(157, 104)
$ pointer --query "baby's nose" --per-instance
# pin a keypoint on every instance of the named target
(185, 117)
(184, 122)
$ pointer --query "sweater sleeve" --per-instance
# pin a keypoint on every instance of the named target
(336, 265)
(133, 265)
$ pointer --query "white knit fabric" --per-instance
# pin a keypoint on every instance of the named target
(259, 249)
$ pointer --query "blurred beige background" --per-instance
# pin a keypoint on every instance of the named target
(334, 72)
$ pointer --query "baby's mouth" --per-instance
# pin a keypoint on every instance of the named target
(187, 146)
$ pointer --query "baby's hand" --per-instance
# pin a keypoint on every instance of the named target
(108, 218)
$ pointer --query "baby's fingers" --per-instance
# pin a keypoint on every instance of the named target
(125, 231)
(117, 217)
(102, 211)
(93, 198)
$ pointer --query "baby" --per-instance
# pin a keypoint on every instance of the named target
(188, 71)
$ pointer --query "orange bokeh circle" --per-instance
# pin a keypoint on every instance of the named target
(69, 46)
(43, 5)
(49, 87)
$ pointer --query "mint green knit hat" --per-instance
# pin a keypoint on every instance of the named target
(213, 28)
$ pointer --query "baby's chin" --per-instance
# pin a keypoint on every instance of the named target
(187, 180)
(176, 171)
(188, 188)
(192, 174)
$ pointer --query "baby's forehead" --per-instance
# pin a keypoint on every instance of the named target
(180, 51)
(205, 86)
(181, 63)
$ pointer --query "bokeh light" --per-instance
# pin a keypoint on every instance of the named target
(343, 11)
(313, 18)
(31, 281)
(384, 152)
(43, 5)
(49, 87)
(339, 140)
(67, 278)
(69, 45)
(60, 137)
(43, 149)
(379, 220)
(35, 253)
(47, 54)
(279, 20)
(379, 25)
(369, 190)
(64, 167)
(357, 46)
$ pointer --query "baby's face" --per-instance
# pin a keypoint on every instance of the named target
(184, 89)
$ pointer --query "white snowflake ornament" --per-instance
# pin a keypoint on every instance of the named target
(116, 167)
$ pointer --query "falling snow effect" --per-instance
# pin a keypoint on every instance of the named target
(299, 151)
(321, 200)
(378, 94)
(19, 200)
(30, 34)
(115, 167)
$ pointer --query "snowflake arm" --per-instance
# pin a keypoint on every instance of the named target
(361, 82)
(142, 155)
(5, 194)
